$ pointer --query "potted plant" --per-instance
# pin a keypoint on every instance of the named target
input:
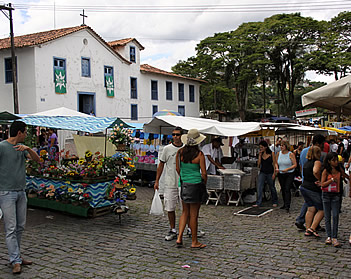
(120, 137)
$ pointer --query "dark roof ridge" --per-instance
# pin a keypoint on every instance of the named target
(38, 38)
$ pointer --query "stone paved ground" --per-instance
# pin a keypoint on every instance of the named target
(238, 247)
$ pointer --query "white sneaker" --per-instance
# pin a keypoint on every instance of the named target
(171, 235)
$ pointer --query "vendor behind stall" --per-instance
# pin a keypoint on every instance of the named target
(53, 147)
(213, 155)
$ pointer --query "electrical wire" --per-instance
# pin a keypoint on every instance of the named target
(184, 9)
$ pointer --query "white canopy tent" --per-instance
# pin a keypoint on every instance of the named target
(165, 125)
(335, 96)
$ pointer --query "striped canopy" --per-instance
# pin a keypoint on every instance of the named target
(75, 123)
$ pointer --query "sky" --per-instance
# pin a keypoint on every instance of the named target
(168, 29)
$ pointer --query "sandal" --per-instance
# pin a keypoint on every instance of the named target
(328, 241)
(311, 232)
(336, 243)
(179, 244)
(200, 246)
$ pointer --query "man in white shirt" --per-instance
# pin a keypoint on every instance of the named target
(171, 189)
(170, 182)
(213, 155)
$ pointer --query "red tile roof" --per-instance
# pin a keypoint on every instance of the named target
(150, 69)
(123, 42)
(39, 38)
(47, 36)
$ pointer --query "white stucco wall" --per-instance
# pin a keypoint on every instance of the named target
(191, 108)
(72, 49)
(37, 88)
(25, 81)
(125, 52)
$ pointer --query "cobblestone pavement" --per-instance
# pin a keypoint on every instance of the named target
(63, 246)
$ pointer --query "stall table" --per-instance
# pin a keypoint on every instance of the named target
(232, 182)
(96, 190)
(247, 163)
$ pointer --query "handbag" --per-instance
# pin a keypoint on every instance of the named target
(331, 188)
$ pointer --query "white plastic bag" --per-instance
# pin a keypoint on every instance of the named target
(156, 206)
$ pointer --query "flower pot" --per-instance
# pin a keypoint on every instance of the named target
(131, 196)
(32, 195)
(121, 147)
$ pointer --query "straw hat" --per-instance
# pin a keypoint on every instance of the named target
(193, 137)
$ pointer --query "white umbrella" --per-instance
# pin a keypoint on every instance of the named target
(335, 96)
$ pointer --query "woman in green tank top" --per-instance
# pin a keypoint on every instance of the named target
(190, 160)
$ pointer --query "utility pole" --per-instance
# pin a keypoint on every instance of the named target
(13, 56)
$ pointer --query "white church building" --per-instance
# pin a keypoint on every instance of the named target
(75, 68)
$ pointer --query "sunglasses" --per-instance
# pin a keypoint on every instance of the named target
(176, 135)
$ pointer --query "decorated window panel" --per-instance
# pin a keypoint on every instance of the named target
(109, 81)
(60, 75)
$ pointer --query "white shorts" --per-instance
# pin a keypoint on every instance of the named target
(171, 198)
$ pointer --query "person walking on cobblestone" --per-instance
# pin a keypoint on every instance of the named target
(311, 190)
(332, 178)
(318, 140)
(285, 167)
(190, 160)
(13, 200)
(171, 189)
(266, 163)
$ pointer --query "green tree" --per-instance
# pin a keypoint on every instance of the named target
(288, 40)
(229, 57)
(333, 53)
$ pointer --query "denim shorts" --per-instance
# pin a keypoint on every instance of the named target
(312, 198)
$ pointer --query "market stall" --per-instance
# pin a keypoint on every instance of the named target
(233, 182)
(88, 185)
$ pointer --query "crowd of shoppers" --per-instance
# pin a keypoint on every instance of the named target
(320, 168)
(317, 167)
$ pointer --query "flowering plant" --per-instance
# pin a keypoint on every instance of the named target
(65, 193)
(119, 189)
(120, 135)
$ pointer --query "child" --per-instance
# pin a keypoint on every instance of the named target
(331, 180)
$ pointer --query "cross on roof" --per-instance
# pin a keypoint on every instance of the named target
(83, 16)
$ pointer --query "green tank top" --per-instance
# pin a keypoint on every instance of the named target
(190, 173)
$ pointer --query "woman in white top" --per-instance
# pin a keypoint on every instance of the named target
(285, 167)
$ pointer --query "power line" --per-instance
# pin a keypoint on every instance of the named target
(222, 8)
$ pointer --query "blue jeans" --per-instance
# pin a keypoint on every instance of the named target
(14, 207)
(262, 177)
(331, 205)
(301, 218)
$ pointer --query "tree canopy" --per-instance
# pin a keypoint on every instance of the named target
(273, 54)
